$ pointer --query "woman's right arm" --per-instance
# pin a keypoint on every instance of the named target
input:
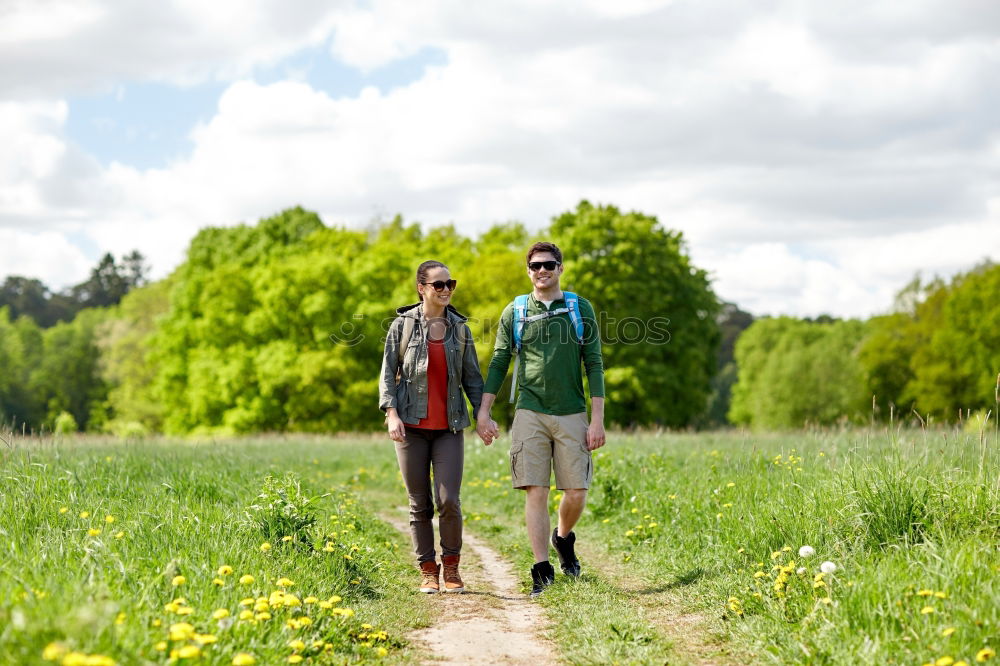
(387, 380)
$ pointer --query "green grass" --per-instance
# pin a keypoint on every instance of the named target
(186, 510)
(910, 518)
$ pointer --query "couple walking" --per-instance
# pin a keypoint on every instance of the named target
(430, 360)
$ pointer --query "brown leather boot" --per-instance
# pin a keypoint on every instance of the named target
(452, 581)
(429, 581)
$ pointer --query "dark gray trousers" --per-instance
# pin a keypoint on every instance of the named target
(443, 452)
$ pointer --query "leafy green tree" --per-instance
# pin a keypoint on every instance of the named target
(657, 312)
(20, 351)
(793, 373)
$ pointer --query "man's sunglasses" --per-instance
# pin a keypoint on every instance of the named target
(439, 285)
(538, 265)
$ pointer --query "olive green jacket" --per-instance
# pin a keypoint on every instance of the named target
(408, 395)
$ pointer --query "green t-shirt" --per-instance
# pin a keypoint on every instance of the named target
(550, 376)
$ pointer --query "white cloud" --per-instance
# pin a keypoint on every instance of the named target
(48, 253)
(808, 175)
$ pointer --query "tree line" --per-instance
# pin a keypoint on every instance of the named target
(278, 326)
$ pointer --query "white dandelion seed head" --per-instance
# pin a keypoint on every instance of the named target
(801, 571)
(828, 567)
(806, 551)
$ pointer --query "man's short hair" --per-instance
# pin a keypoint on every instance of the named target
(544, 246)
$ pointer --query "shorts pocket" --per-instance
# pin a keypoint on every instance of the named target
(516, 456)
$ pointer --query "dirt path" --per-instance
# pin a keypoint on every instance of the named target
(492, 623)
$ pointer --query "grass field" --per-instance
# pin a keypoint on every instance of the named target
(94, 535)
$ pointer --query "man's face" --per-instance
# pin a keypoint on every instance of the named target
(544, 275)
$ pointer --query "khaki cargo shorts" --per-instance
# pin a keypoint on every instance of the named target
(541, 442)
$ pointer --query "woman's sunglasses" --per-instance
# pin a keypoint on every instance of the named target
(439, 285)
(547, 265)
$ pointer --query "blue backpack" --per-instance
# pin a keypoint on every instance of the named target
(521, 317)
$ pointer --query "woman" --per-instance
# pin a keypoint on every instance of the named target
(429, 359)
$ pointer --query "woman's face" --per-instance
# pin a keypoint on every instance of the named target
(426, 290)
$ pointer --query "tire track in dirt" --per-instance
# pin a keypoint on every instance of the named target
(492, 622)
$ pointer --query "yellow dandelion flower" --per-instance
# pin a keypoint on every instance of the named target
(109, 519)
(961, 662)
(310, 600)
(263, 615)
(189, 652)
(347, 556)
(325, 605)
(947, 631)
(284, 582)
(335, 599)
(225, 570)
(984, 654)
(246, 614)
(54, 652)
(264, 547)
(367, 626)
(93, 531)
(941, 595)
(64, 509)
(630, 533)
(161, 646)
(220, 613)
(157, 622)
(119, 535)
(244, 659)
(246, 602)
(305, 621)
(206, 639)
(944, 661)
(926, 610)
(178, 580)
(294, 658)
(297, 644)
(759, 574)
(185, 610)
(85, 514)
(120, 619)
(246, 580)
(286, 539)
(381, 651)
(925, 593)
(218, 581)
(181, 631)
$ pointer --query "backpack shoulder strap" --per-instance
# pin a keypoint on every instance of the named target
(520, 313)
(573, 305)
(404, 342)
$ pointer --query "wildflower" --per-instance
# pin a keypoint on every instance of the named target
(218, 581)
(220, 613)
(284, 582)
(263, 615)
(806, 551)
(984, 654)
(826, 600)
(53, 652)
(64, 509)
(294, 658)
(786, 549)
(335, 599)
(828, 567)
(776, 554)
(730, 485)
(941, 595)
(947, 631)
(85, 514)
(178, 580)
(305, 621)
(157, 622)
(381, 651)
(925, 593)
(93, 531)
(244, 659)
(246, 580)
(225, 570)
(801, 571)
(264, 547)
(189, 652)
(109, 519)
(161, 646)
(297, 645)
(181, 631)
(246, 602)
(119, 535)
(759, 574)
(944, 661)
(120, 619)
(246, 614)
(926, 610)
(325, 605)
(206, 639)
(310, 600)
(630, 533)
(286, 539)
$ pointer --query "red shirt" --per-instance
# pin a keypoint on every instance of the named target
(437, 388)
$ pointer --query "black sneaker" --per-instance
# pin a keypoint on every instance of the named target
(564, 548)
(542, 575)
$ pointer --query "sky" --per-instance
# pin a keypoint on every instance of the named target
(816, 155)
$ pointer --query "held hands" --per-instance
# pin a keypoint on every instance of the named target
(487, 428)
(595, 435)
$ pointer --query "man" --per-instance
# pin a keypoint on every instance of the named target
(550, 430)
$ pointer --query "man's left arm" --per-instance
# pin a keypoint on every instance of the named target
(593, 364)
